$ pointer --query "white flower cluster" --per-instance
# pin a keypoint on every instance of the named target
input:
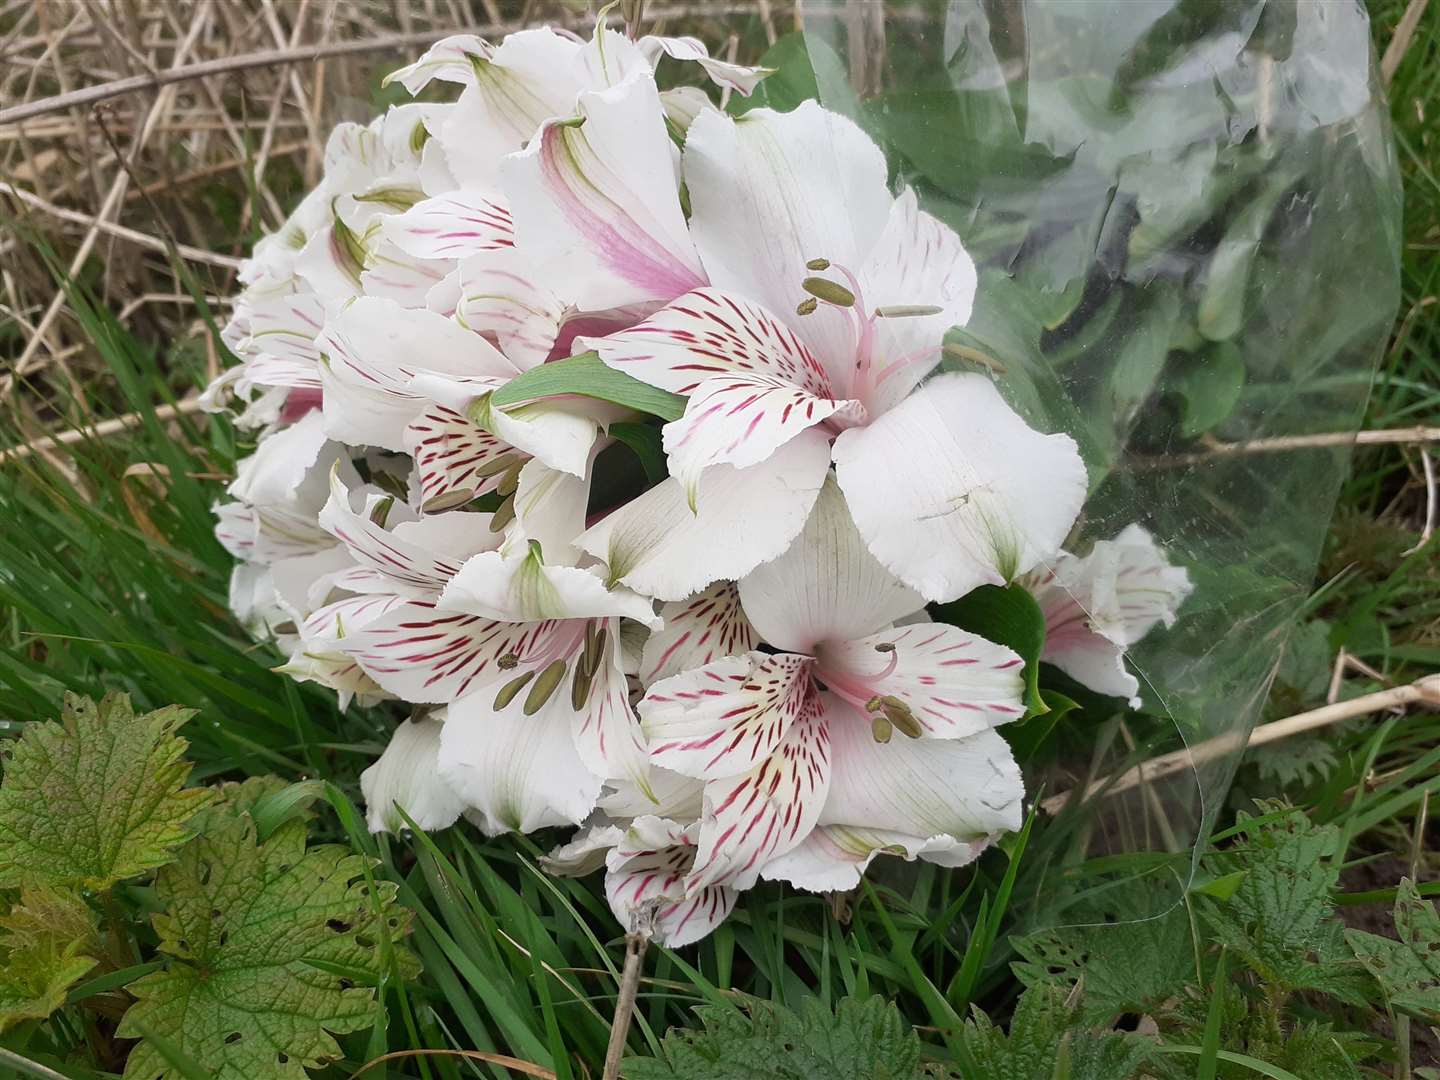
(454, 352)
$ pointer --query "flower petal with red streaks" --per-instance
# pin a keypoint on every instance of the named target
(705, 627)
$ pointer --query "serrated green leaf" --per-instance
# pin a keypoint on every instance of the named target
(1007, 615)
(97, 797)
(1408, 969)
(586, 375)
(861, 1040)
(46, 944)
(1129, 959)
(272, 948)
(1278, 920)
(1045, 1031)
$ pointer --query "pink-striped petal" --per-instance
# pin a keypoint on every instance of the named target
(453, 456)
(833, 857)
(761, 814)
(646, 885)
(450, 59)
(597, 202)
(737, 77)
(728, 716)
(452, 226)
(706, 627)
(953, 682)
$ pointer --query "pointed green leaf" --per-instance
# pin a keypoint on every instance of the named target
(1408, 969)
(587, 376)
(46, 944)
(97, 797)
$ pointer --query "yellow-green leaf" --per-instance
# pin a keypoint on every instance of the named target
(96, 798)
(46, 942)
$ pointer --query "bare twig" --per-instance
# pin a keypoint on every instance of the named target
(97, 431)
(1428, 530)
(1400, 43)
(1380, 437)
(635, 946)
(525, 1068)
(194, 254)
(1424, 692)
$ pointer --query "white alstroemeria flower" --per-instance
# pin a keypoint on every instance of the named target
(767, 731)
(405, 776)
(947, 484)
(385, 370)
(647, 864)
(1098, 605)
(707, 626)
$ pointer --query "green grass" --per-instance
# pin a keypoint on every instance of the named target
(109, 581)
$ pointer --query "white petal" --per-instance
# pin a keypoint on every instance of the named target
(706, 627)
(597, 204)
(966, 788)
(501, 294)
(833, 857)
(952, 490)
(449, 59)
(658, 547)
(728, 716)
(918, 261)
(606, 731)
(670, 795)
(752, 384)
(770, 192)
(1126, 585)
(761, 814)
(516, 773)
(646, 886)
(405, 775)
(953, 682)
(585, 853)
(826, 586)
(452, 456)
(737, 77)
(550, 510)
(281, 462)
(393, 274)
(526, 588)
(455, 225)
(419, 559)
(682, 104)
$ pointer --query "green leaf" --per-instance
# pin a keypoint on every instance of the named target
(1007, 615)
(1408, 969)
(271, 948)
(1129, 959)
(1045, 1032)
(587, 376)
(97, 797)
(803, 68)
(1278, 920)
(861, 1040)
(46, 944)
(1210, 388)
(645, 441)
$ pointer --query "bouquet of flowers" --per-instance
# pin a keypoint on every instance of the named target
(620, 437)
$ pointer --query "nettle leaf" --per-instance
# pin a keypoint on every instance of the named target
(861, 1040)
(96, 798)
(1129, 959)
(47, 944)
(1408, 969)
(1279, 919)
(586, 375)
(273, 947)
(1007, 615)
(1047, 1039)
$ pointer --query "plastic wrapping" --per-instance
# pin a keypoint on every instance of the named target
(1186, 221)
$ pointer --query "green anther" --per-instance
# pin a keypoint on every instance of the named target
(901, 717)
(885, 646)
(881, 728)
(499, 464)
(510, 481)
(594, 649)
(348, 248)
(508, 662)
(509, 690)
(504, 514)
(397, 198)
(805, 307)
(974, 356)
(818, 264)
(537, 552)
(419, 136)
(544, 686)
(580, 687)
(906, 311)
(832, 292)
(448, 501)
(381, 513)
